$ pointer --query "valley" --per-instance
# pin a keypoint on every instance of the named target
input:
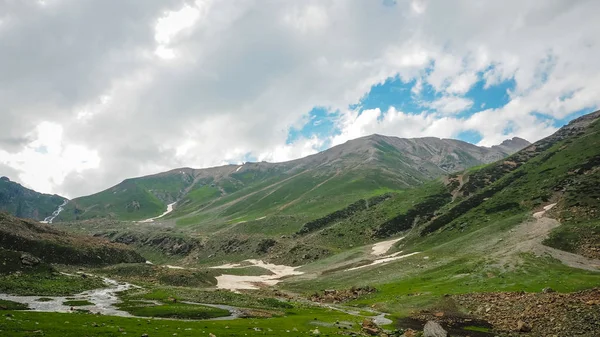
(378, 236)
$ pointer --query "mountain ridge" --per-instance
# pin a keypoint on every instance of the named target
(358, 168)
(23, 202)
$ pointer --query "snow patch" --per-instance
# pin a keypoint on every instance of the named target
(540, 214)
(238, 282)
(169, 210)
(382, 247)
(385, 259)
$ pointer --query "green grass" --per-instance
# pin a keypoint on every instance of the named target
(133, 199)
(77, 303)
(142, 273)
(44, 299)
(171, 310)
(246, 300)
(296, 322)
(10, 305)
(47, 284)
(24, 203)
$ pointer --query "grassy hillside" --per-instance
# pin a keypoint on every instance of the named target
(311, 186)
(474, 232)
(25, 203)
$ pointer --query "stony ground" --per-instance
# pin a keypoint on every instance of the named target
(544, 314)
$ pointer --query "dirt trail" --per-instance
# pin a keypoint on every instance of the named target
(528, 238)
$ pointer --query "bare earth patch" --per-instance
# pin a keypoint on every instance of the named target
(528, 238)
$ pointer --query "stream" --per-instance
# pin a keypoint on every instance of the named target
(104, 301)
(55, 213)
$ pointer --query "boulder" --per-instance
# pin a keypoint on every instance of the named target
(370, 327)
(434, 329)
(523, 326)
(29, 260)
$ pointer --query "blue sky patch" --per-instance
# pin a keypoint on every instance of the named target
(396, 93)
(320, 123)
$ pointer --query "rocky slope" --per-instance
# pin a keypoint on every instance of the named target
(313, 185)
(25, 203)
(42, 242)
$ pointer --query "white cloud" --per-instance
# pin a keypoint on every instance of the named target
(300, 148)
(462, 83)
(46, 161)
(197, 83)
(450, 104)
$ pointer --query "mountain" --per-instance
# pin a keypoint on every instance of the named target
(25, 203)
(561, 169)
(558, 175)
(309, 186)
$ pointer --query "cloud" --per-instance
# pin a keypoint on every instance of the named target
(45, 161)
(146, 87)
(450, 104)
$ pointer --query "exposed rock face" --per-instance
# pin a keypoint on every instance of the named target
(511, 146)
(433, 329)
(168, 243)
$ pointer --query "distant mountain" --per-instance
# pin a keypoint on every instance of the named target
(25, 203)
(310, 186)
(512, 145)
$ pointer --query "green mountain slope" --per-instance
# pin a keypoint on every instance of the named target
(563, 169)
(25, 203)
(311, 186)
(521, 224)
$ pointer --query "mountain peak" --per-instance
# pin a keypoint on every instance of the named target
(512, 145)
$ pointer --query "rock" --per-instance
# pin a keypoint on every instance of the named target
(523, 326)
(548, 290)
(433, 329)
(370, 327)
(29, 260)
(409, 333)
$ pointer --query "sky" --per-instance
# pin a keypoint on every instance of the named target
(93, 92)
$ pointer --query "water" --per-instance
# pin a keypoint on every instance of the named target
(103, 300)
(55, 213)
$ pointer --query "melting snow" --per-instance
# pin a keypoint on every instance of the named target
(540, 214)
(169, 210)
(237, 282)
(382, 247)
(385, 259)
